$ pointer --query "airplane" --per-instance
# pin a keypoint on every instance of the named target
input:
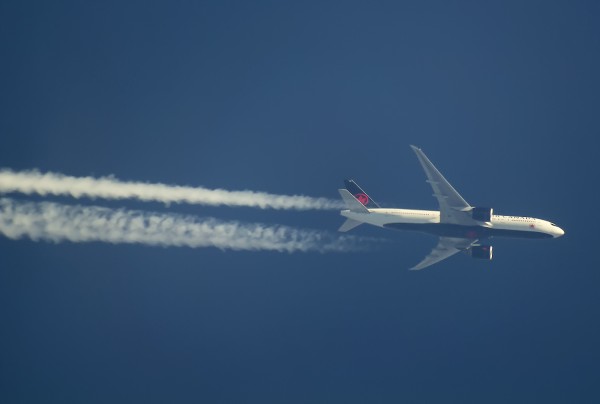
(458, 225)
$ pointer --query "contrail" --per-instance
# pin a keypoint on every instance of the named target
(55, 222)
(35, 182)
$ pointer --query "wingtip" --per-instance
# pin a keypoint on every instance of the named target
(414, 147)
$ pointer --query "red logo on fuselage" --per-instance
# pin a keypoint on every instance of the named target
(362, 198)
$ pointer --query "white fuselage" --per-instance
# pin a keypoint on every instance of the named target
(429, 221)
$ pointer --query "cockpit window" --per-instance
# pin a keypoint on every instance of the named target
(553, 224)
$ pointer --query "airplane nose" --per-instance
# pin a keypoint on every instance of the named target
(559, 232)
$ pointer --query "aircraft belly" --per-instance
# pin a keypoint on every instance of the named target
(469, 232)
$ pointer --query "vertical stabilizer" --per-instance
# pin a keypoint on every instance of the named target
(359, 194)
(352, 203)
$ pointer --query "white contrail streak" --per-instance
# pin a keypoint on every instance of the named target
(35, 182)
(55, 222)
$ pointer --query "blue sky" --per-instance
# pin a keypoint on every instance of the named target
(291, 99)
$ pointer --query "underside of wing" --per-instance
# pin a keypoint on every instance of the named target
(453, 208)
(446, 247)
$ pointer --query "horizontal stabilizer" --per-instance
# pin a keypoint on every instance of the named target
(348, 225)
(352, 203)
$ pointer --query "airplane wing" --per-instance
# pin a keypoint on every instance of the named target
(446, 247)
(453, 207)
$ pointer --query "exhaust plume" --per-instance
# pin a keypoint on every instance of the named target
(35, 182)
(55, 222)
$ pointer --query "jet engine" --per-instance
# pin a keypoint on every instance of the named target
(482, 214)
(482, 252)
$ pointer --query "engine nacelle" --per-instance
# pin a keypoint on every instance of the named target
(482, 214)
(482, 252)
